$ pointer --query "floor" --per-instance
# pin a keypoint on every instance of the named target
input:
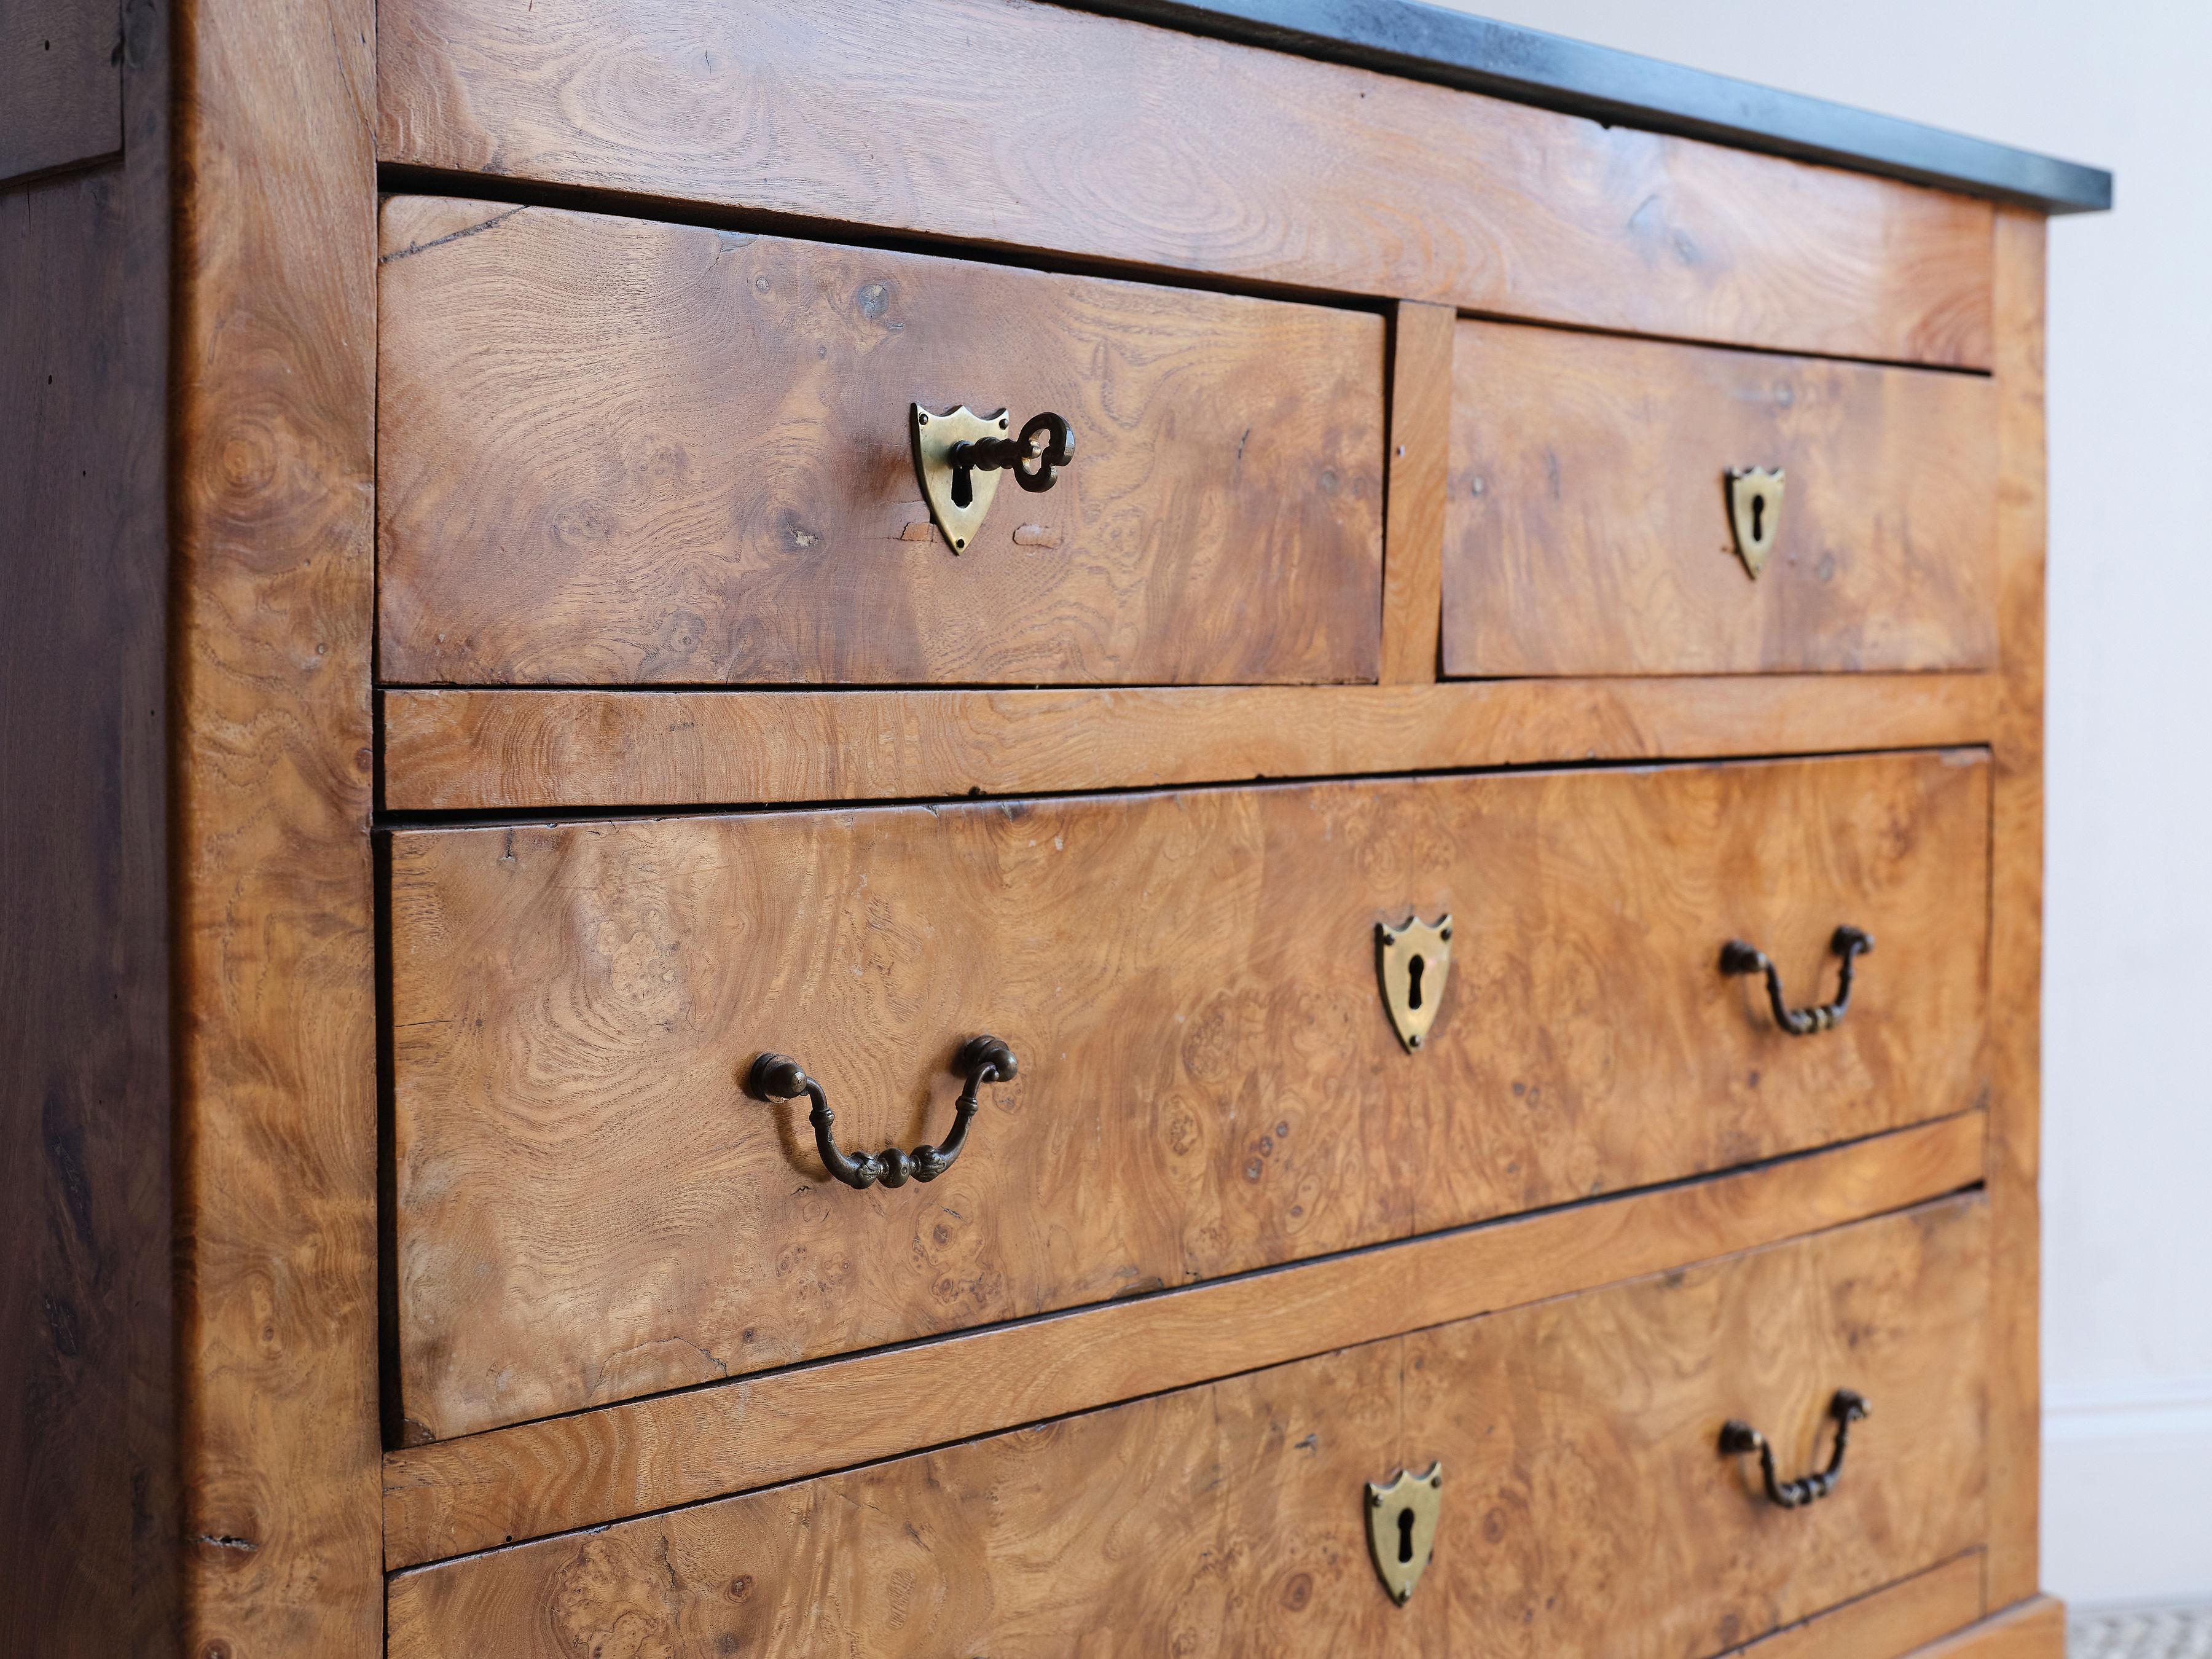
(2163, 1633)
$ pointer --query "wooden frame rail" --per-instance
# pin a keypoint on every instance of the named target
(2016, 922)
(273, 439)
(2034, 1629)
(1893, 1621)
(450, 750)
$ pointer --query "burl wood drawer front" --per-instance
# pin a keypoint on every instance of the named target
(1585, 1509)
(1022, 125)
(1588, 526)
(1580, 1443)
(612, 451)
(589, 1208)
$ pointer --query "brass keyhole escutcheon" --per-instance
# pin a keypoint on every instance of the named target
(959, 454)
(1412, 962)
(1754, 501)
(1401, 1528)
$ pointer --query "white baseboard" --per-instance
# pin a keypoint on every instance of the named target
(2126, 1494)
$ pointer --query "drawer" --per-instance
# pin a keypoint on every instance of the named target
(589, 1207)
(1585, 1508)
(1103, 139)
(611, 451)
(1584, 1435)
(1589, 526)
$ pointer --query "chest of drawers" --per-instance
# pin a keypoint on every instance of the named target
(1373, 989)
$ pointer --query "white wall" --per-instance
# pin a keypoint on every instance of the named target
(2127, 1179)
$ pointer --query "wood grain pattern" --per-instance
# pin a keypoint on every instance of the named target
(1888, 1624)
(2035, 1629)
(61, 83)
(1420, 458)
(1248, 164)
(1227, 1519)
(588, 1210)
(257, 556)
(1222, 1521)
(484, 1490)
(87, 1446)
(2016, 936)
(522, 750)
(274, 995)
(1583, 1433)
(611, 451)
(1588, 526)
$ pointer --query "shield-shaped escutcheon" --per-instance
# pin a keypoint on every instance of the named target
(1754, 497)
(958, 496)
(1414, 961)
(1401, 1528)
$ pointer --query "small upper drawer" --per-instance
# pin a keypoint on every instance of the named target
(588, 1207)
(611, 451)
(1589, 529)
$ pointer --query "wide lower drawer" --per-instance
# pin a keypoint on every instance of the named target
(613, 452)
(589, 1208)
(1593, 527)
(1585, 1506)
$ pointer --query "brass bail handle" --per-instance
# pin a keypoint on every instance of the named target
(981, 1059)
(1849, 943)
(1737, 1438)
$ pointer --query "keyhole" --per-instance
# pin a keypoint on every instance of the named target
(1758, 518)
(1405, 1537)
(1413, 970)
(963, 487)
